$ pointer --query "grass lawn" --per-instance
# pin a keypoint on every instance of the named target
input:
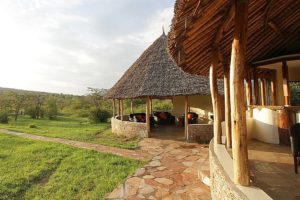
(42, 170)
(71, 128)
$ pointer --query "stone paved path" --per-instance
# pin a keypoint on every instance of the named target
(97, 147)
(173, 173)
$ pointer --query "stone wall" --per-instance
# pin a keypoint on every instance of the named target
(201, 133)
(128, 129)
(221, 175)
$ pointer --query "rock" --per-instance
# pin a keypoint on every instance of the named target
(164, 181)
(146, 190)
(156, 158)
(132, 186)
(148, 177)
(161, 168)
(154, 163)
(187, 163)
(139, 172)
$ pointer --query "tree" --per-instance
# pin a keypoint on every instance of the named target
(51, 109)
(17, 101)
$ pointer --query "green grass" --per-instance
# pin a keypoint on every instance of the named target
(71, 128)
(42, 170)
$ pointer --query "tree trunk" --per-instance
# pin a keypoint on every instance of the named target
(237, 96)
(186, 120)
(216, 101)
(148, 101)
(227, 107)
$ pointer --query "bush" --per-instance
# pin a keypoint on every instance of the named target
(32, 126)
(3, 117)
(99, 115)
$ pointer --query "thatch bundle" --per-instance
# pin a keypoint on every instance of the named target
(156, 75)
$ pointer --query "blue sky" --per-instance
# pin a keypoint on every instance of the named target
(69, 45)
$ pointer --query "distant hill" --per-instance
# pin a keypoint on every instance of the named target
(7, 90)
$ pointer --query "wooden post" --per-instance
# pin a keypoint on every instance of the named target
(119, 107)
(215, 100)
(263, 92)
(273, 91)
(286, 88)
(238, 108)
(249, 94)
(186, 120)
(122, 110)
(227, 107)
(148, 101)
(131, 106)
(256, 87)
(114, 108)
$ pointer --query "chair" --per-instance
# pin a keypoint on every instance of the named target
(295, 143)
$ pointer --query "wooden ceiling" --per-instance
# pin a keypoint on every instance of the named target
(200, 26)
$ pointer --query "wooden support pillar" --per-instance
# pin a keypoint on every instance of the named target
(273, 91)
(114, 108)
(238, 108)
(249, 94)
(122, 110)
(286, 88)
(227, 107)
(256, 88)
(216, 101)
(131, 106)
(148, 101)
(263, 91)
(186, 120)
(119, 107)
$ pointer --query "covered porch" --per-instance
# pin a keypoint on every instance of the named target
(237, 40)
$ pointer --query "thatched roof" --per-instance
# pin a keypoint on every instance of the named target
(199, 25)
(155, 74)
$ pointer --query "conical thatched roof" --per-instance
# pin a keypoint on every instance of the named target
(155, 74)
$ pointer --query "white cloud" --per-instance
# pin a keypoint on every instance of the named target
(69, 45)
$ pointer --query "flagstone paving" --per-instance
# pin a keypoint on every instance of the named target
(172, 173)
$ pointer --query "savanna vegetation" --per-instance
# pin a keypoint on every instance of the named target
(42, 170)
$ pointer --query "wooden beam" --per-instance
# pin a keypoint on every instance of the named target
(114, 107)
(263, 92)
(119, 107)
(148, 101)
(227, 107)
(186, 120)
(249, 89)
(256, 87)
(237, 97)
(131, 106)
(285, 79)
(273, 89)
(215, 100)
(122, 110)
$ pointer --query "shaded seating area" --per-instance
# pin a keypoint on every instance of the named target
(155, 76)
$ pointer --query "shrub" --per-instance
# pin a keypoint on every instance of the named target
(99, 115)
(32, 126)
(3, 117)
(52, 110)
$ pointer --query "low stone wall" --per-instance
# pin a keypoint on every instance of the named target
(202, 133)
(221, 174)
(128, 129)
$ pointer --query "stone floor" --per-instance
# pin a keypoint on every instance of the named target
(273, 170)
(173, 173)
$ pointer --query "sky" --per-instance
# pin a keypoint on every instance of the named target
(65, 46)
